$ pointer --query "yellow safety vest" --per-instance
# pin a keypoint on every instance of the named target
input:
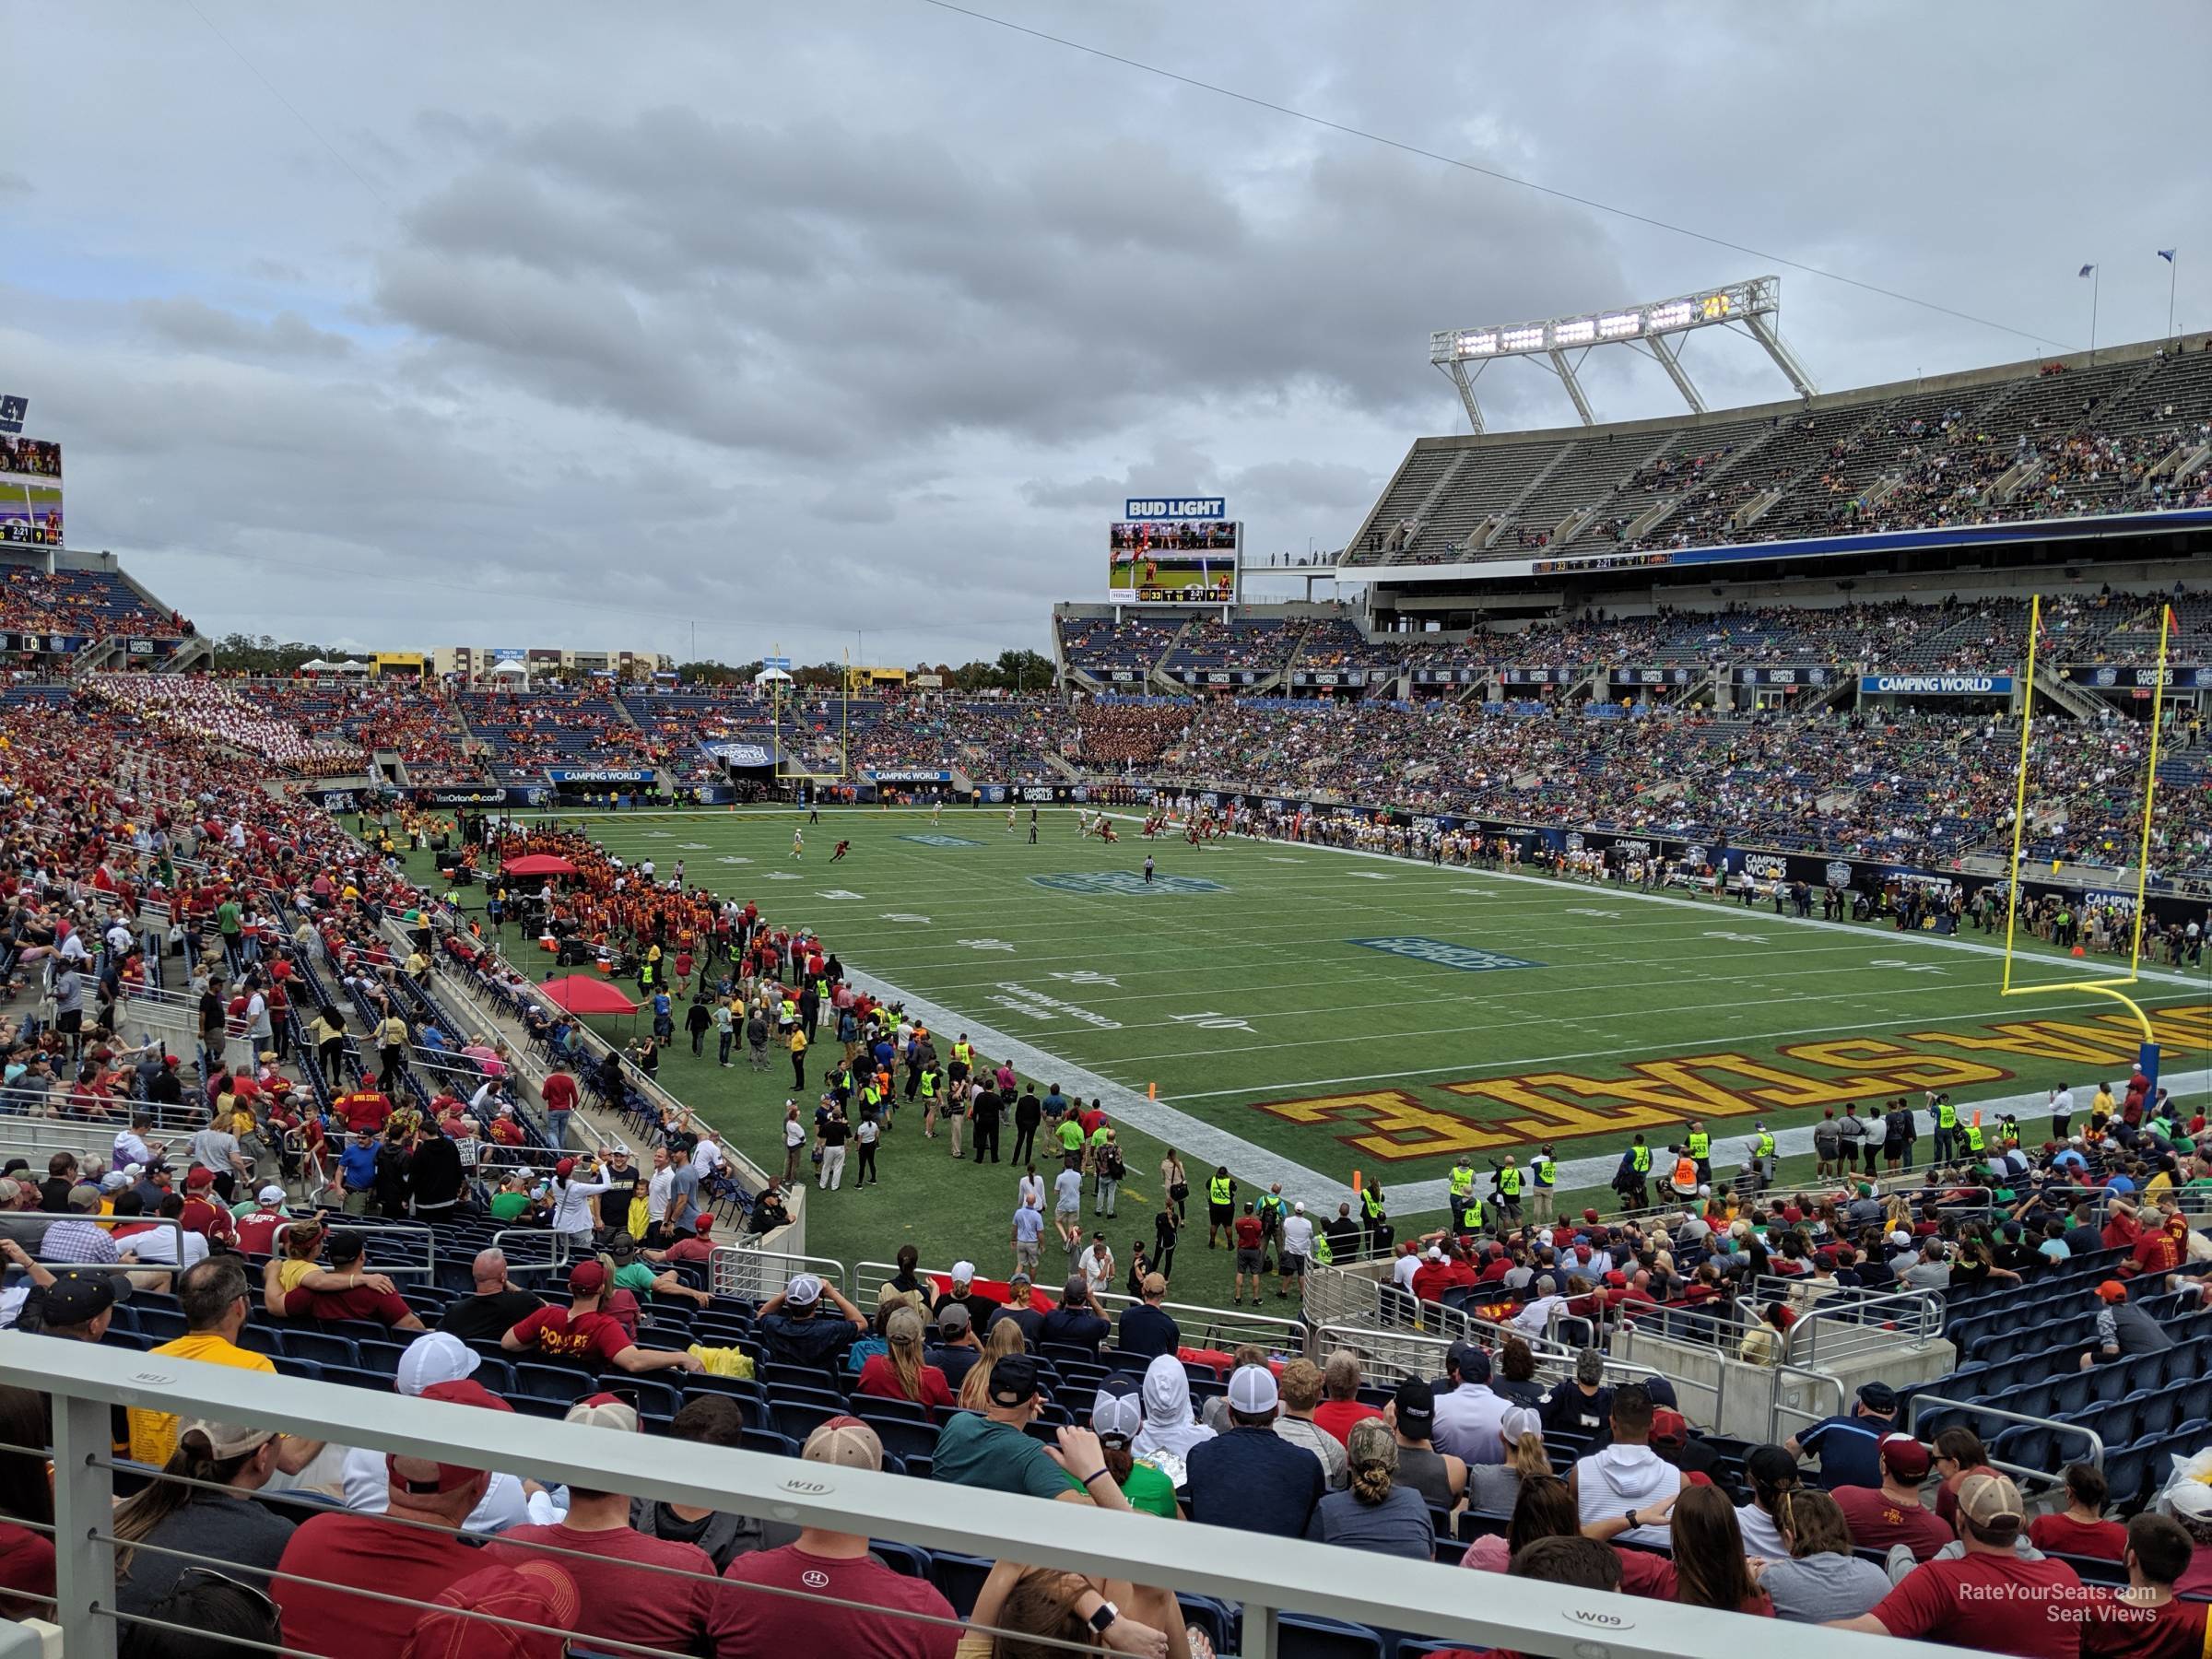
(1546, 1169)
(1370, 1203)
(1947, 1116)
(1471, 1213)
(929, 1084)
(1973, 1137)
(1640, 1159)
(1463, 1181)
(1701, 1145)
(1218, 1188)
(1764, 1145)
(1509, 1182)
(963, 1052)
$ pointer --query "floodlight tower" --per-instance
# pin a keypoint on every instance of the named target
(1754, 307)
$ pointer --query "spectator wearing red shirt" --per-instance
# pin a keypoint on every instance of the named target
(619, 1603)
(1883, 1517)
(584, 1330)
(698, 1247)
(347, 1289)
(257, 1232)
(899, 1373)
(201, 1214)
(364, 1110)
(414, 1562)
(1340, 1407)
(2165, 1249)
(2081, 1529)
(558, 1093)
(853, 1600)
(459, 1624)
(1989, 1598)
(2146, 1620)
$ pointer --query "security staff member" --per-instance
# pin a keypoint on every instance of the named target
(1545, 1170)
(1375, 1218)
(1220, 1207)
(1470, 1214)
(1637, 1175)
(1762, 1153)
(1974, 1142)
(1947, 1125)
(1509, 1191)
(1700, 1145)
(1462, 1179)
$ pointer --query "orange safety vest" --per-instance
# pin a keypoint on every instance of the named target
(1686, 1172)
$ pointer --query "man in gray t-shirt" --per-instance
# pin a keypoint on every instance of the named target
(683, 1199)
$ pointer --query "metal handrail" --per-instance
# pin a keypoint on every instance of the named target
(2018, 1471)
(555, 1244)
(746, 1271)
(1221, 1327)
(1776, 1410)
(372, 1230)
(1362, 1342)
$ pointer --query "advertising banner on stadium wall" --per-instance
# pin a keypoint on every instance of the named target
(40, 644)
(1337, 676)
(1540, 676)
(1935, 685)
(2105, 677)
(1816, 675)
(1215, 676)
(599, 774)
(1450, 676)
(740, 754)
(891, 774)
(1655, 677)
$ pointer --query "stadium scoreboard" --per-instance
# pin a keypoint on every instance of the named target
(1173, 550)
(31, 487)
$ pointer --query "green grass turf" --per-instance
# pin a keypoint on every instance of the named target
(1250, 994)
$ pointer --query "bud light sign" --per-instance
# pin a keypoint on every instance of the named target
(1176, 507)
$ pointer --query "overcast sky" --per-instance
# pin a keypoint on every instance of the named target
(518, 323)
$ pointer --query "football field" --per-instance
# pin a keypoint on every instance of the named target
(1298, 1013)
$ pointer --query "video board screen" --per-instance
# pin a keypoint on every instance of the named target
(1173, 561)
(31, 492)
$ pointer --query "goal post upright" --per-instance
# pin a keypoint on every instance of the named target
(2148, 1054)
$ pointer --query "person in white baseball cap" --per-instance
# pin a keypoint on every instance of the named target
(433, 1358)
(1251, 1478)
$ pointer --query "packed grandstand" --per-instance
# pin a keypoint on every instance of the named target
(279, 1105)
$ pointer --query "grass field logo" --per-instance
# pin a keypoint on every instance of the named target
(1443, 954)
(1124, 883)
(941, 841)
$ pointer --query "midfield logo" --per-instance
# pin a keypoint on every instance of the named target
(940, 840)
(1125, 883)
(1443, 954)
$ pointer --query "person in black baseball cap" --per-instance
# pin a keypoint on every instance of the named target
(1849, 1446)
(77, 1305)
(1440, 1479)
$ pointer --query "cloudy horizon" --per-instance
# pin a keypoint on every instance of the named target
(775, 329)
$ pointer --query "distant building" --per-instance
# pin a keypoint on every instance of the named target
(523, 665)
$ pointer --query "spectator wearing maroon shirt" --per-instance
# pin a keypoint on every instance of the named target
(257, 1232)
(619, 1603)
(1991, 1597)
(2145, 1620)
(480, 1617)
(346, 1289)
(558, 1093)
(697, 1247)
(413, 1551)
(584, 1330)
(2081, 1529)
(854, 1600)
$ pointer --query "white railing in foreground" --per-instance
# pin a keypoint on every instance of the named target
(1267, 1575)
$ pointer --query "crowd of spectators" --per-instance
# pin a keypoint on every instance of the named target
(95, 605)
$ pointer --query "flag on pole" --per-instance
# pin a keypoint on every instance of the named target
(2086, 270)
(2167, 255)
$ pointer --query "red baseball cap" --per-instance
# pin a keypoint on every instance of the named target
(587, 1277)
(199, 1180)
(704, 1224)
(565, 1168)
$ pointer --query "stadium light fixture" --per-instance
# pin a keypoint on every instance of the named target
(1753, 306)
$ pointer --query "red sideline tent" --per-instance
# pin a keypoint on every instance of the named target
(581, 994)
(538, 864)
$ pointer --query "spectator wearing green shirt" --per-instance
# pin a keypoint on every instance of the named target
(640, 1279)
(1116, 1417)
(512, 1201)
(231, 923)
(1070, 1131)
(991, 1449)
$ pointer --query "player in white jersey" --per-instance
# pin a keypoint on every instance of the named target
(798, 843)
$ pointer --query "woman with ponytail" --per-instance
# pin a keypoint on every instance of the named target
(228, 1525)
(1374, 1511)
(899, 1373)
